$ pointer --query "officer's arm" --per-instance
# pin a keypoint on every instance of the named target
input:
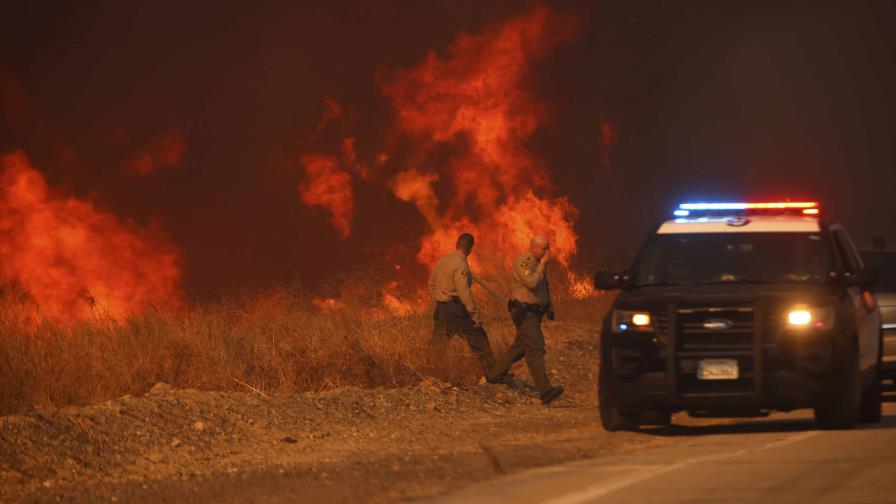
(529, 279)
(550, 304)
(491, 290)
(463, 290)
(547, 288)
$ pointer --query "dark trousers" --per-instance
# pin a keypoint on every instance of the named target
(452, 318)
(529, 343)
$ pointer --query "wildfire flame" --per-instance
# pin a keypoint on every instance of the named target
(469, 115)
(416, 187)
(476, 99)
(327, 304)
(393, 301)
(330, 187)
(75, 260)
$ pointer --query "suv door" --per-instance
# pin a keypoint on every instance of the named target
(864, 304)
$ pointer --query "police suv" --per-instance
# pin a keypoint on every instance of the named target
(736, 309)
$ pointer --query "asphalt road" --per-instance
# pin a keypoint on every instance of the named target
(780, 459)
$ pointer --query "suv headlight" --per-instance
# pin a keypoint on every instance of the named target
(803, 317)
(625, 320)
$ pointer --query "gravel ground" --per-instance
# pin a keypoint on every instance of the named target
(348, 445)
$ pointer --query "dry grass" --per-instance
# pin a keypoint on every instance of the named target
(276, 343)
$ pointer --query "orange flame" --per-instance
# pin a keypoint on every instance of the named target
(330, 187)
(469, 115)
(580, 287)
(416, 187)
(476, 100)
(75, 260)
(398, 304)
(327, 304)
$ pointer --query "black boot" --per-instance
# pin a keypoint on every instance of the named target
(505, 379)
(549, 394)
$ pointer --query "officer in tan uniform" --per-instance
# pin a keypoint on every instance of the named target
(530, 302)
(456, 312)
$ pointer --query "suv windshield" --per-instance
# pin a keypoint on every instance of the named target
(733, 257)
(885, 265)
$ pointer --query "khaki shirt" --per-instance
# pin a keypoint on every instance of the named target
(452, 277)
(530, 281)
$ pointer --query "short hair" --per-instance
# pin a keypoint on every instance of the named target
(465, 241)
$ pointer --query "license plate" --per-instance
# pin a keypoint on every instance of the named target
(717, 369)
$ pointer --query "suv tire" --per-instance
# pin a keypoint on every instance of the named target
(870, 410)
(843, 413)
(612, 418)
(661, 417)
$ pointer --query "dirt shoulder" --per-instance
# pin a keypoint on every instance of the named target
(371, 445)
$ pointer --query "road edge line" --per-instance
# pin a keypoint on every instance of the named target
(601, 490)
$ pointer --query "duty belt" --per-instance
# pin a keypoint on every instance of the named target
(535, 308)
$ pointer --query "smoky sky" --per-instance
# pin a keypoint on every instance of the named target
(708, 100)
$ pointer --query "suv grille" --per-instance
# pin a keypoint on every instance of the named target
(714, 333)
(715, 330)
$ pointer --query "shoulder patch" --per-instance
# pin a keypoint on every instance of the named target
(525, 268)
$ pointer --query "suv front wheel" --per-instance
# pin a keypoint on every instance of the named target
(870, 409)
(612, 418)
(843, 413)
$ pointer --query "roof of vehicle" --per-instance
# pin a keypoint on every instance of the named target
(742, 224)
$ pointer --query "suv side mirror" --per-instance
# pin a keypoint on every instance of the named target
(609, 280)
(865, 277)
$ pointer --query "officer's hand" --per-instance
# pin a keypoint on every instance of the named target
(546, 257)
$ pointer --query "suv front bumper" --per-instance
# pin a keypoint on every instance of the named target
(792, 390)
(779, 369)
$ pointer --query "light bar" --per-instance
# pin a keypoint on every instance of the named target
(692, 210)
(785, 205)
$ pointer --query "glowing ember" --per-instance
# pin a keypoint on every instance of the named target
(397, 306)
(580, 287)
(327, 304)
(330, 187)
(75, 260)
(393, 301)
